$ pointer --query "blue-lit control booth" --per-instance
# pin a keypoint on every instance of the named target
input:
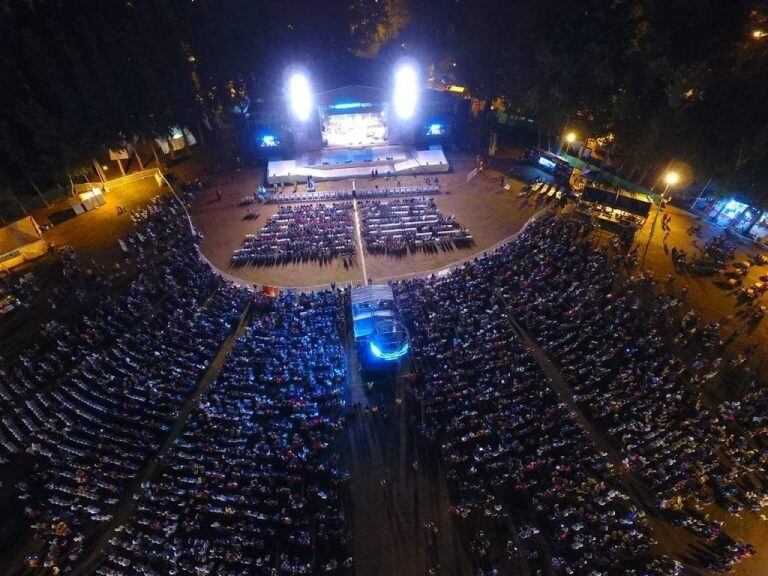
(381, 339)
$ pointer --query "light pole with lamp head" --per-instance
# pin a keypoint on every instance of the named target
(570, 138)
(671, 178)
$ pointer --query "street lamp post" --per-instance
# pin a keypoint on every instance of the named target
(570, 138)
(670, 179)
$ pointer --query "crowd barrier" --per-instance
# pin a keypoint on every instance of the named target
(348, 194)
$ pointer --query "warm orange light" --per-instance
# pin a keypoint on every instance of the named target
(759, 34)
(671, 178)
(104, 167)
(570, 137)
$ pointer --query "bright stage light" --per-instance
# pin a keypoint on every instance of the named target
(269, 141)
(300, 96)
(406, 92)
(436, 130)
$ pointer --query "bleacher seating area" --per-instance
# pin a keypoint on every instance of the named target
(409, 224)
(299, 233)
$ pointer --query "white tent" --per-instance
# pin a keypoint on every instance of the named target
(87, 201)
(180, 138)
(20, 241)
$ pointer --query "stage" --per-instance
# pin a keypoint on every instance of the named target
(344, 163)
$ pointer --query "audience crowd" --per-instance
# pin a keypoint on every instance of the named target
(623, 350)
(299, 233)
(251, 483)
(406, 225)
(509, 444)
(92, 404)
(252, 486)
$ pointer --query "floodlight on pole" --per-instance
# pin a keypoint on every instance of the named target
(406, 94)
(300, 96)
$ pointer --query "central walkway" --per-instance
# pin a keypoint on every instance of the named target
(390, 497)
(359, 239)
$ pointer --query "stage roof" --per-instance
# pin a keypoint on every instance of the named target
(351, 93)
(622, 199)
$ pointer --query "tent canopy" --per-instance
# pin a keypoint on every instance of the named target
(628, 201)
(19, 233)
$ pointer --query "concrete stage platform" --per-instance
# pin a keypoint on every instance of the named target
(343, 163)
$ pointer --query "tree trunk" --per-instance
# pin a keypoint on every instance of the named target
(32, 183)
(154, 153)
(120, 165)
(703, 191)
(138, 159)
(641, 180)
(200, 131)
(171, 151)
(18, 202)
(99, 171)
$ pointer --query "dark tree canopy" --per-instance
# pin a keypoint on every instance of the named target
(669, 79)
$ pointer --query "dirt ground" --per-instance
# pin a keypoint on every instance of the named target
(488, 211)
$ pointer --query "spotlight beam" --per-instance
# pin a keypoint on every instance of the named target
(406, 94)
(300, 96)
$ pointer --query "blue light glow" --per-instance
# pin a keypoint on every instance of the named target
(406, 95)
(546, 163)
(300, 96)
(436, 129)
(268, 141)
(389, 356)
(734, 206)
(350, 105)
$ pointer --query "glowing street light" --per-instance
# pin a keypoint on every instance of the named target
(759, 34)
(671, 178)
(406, 94)
(300, 96)
(570, 138)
